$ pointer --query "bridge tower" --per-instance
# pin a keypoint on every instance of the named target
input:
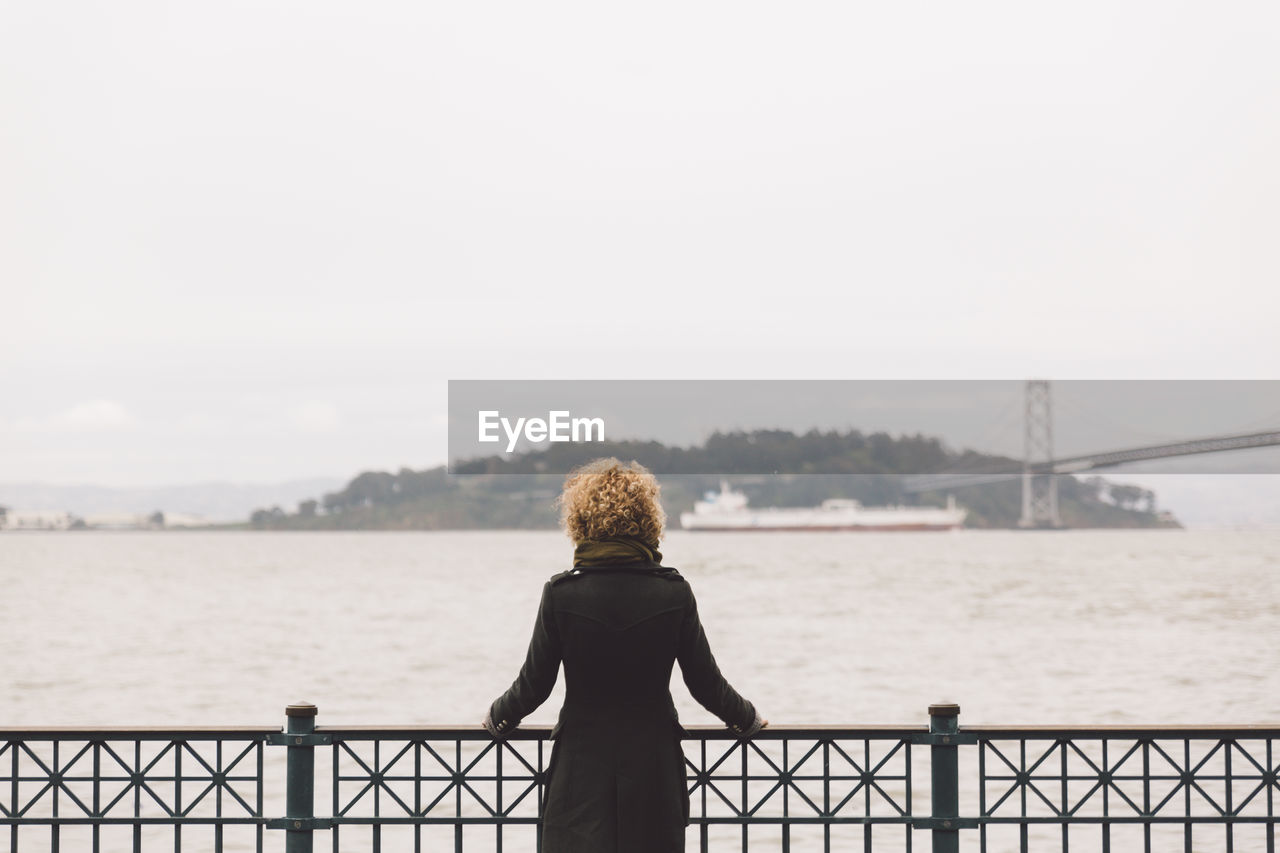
(1039, 490)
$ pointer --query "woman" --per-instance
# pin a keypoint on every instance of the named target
(618, 620)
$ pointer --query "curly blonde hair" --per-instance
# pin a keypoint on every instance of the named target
(606, 498)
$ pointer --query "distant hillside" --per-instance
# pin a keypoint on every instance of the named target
(215, 502)
(828, 464)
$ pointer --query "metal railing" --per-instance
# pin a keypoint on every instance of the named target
(1160, 788)
(814, 787)
(118, 782)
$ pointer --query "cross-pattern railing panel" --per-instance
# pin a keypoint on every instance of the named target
(1144, 788)
(803, 785)
(113, 788)
(427, 786)
(807, 786)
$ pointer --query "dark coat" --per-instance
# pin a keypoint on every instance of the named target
(616, 776)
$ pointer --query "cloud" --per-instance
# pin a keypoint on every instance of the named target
(201, 422)
(315, 417)
(93, 416)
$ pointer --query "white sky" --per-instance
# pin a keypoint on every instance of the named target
(251, 240)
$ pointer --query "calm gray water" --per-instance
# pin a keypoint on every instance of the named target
(1085, 627)
(228, 628)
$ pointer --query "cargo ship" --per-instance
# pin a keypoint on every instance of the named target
(727, 510)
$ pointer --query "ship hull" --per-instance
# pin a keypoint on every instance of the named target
(728, 512)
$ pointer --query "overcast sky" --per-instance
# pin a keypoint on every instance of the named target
(252, 240)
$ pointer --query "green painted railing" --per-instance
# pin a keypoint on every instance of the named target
(807, 787)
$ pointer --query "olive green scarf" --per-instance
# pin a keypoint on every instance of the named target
(616, 550)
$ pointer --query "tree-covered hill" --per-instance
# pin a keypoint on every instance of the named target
(494, 492)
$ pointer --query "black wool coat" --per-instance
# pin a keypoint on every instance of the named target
(616, 775)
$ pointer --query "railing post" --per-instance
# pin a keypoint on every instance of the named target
(300, 778)
(944, 724)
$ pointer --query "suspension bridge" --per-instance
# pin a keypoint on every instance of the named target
(1040, 469)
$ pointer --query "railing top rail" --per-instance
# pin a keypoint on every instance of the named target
(137, 733)
(1231, 730)
(542, 732)
(1262, 730)
(702, 731)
